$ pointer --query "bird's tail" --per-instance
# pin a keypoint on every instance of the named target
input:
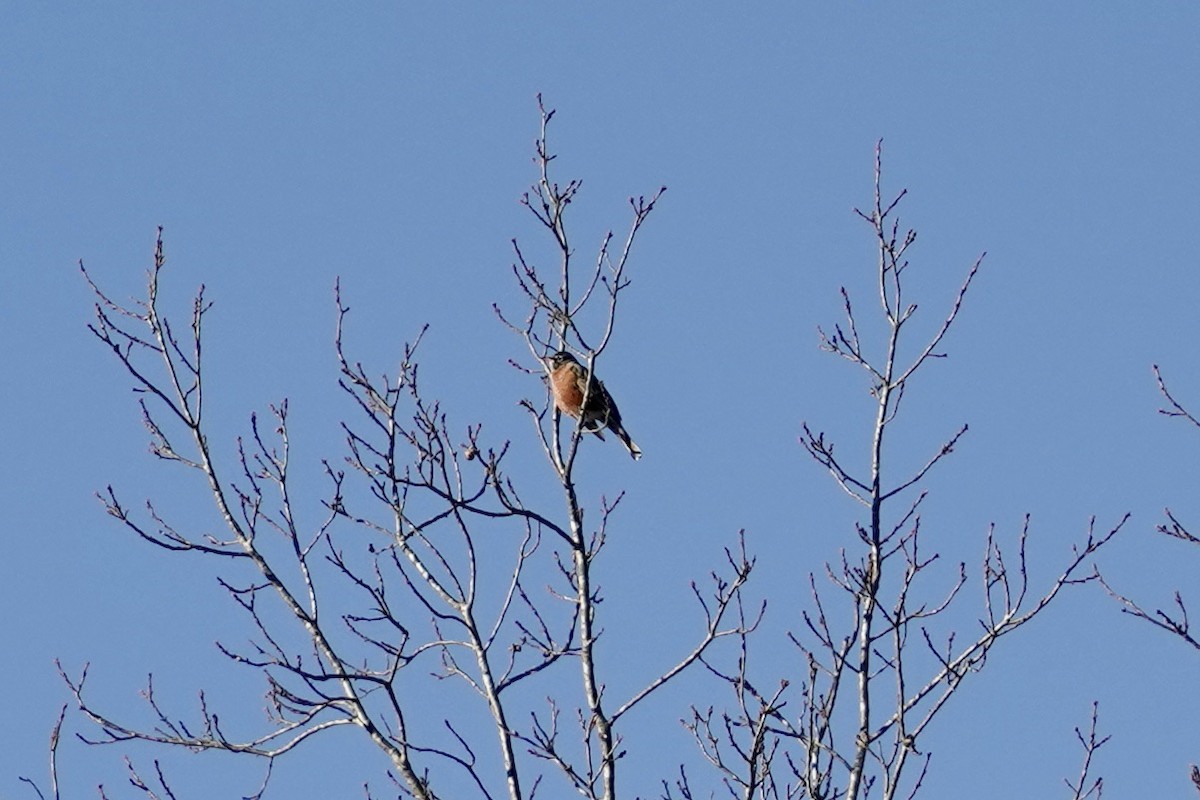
(626, 439)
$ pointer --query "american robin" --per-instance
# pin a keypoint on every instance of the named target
(568, 380)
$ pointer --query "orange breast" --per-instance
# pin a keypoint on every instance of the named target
(568, 394)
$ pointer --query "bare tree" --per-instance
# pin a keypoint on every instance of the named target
(853, 722)
(430, 567)
(427, 557)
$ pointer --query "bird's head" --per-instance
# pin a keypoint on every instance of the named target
(560, 358)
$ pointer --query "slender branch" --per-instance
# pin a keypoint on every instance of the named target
(1086, 786)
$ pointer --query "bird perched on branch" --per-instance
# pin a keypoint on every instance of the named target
(594, 406)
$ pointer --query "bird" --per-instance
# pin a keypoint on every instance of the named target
(568, 384)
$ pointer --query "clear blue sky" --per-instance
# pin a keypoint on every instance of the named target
(284, 144)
